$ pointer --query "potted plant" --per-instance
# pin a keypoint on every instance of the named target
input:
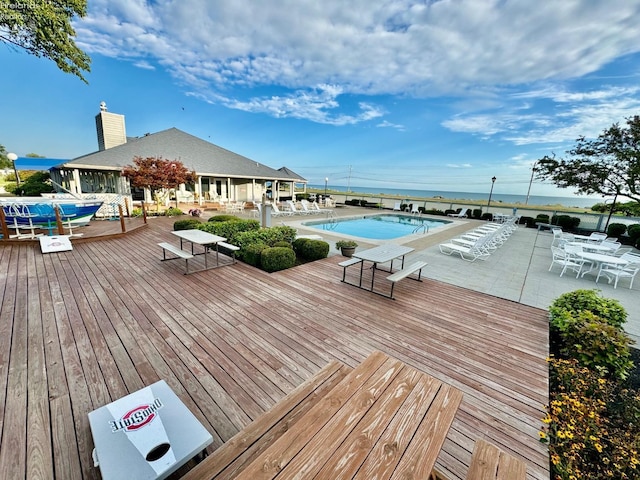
(347, 247)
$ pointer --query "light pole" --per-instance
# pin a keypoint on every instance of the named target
(533, 171)
(13, 157)
(326, 181)
(493, 180)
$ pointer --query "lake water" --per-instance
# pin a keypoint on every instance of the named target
(540, 200)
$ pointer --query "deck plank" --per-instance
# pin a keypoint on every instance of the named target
(108, 318)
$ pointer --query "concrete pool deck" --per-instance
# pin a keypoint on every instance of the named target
(517, 271)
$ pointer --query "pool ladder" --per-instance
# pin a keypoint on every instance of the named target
(417, 229)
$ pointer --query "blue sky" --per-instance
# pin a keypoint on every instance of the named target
(433, 95)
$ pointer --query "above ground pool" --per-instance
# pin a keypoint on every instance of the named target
(378, 227)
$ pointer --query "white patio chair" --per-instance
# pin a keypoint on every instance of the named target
(396, 207)
(568, 258)
(616, 272)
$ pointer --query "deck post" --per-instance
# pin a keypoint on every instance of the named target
(122, 225)
(3, 222)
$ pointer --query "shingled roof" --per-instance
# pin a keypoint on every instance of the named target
(204, 158)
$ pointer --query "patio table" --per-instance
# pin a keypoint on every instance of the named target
(599, 259)
(200, 237)
(381, 254)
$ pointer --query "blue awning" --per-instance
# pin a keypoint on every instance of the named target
(29, 163)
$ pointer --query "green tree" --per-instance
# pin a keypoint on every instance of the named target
(43, 28)
(4, 161)
(608, 165)
(33, 185)
(158, 175)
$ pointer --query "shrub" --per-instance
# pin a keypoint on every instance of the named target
(588, 425)
(403, 206)
(186, 224)
(273, 259)
(542, 218)
(528, 221)
(136, 212)
(608, 309)
(448, 211)
(477, 213)
(282, 243)
(251, 253)
(616, 229)
(566, 222)
(313, 250)
(487, 216)
(345, 243)
(634, 232)
(597, 345)
(231, 229)
(434, 211)
(363, 203)
(298, 243)
(224, 218)
(173, 212)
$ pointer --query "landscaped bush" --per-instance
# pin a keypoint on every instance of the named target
(477, 213)
(487, 216)
(530, 222)
(186, 224)
(597, 345)
(230, 229)
(591, 425)
(273, 259)
(634, 233)
(616, 229)
(566, 222)
(448, 211)
(298, 243)
(224, 218)
(434, 211)
(173, 212)
(608, 309)
(363, 203)
(542, 218)
(283, 243)
(251, 253)
(312, 250)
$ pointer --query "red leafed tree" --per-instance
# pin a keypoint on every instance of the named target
(158, 175)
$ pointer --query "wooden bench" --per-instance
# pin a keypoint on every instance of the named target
(177, 251)
(232, 457)
(488, 462)
(405, 272)
(232, 248)
(348, 263)
(385, 419)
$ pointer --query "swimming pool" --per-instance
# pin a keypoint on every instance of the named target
(378, 227)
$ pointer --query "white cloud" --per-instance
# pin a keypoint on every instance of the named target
(463, 48)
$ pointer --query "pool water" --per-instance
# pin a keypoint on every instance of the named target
(378, 227)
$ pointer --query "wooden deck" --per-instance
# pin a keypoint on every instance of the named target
(80, 329)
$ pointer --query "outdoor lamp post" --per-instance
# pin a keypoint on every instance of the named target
(326, 181)
(493, 180)
(533, 171)
(13, 157)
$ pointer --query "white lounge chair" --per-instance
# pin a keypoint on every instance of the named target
(316, 207)
(414, 209)
(276, 212)
(468, 253)
(306, 208)
(461, 214)
(294, 209)
(397, 207)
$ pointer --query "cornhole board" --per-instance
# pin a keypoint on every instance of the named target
(148, 434)
(56, 243)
